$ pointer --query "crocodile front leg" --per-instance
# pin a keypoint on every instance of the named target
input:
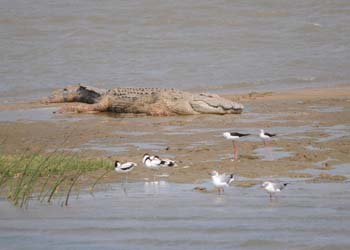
(101, 106)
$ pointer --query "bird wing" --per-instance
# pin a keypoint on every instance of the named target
(222, 177)
(282, 185)
(229, 178)
(225, 178)
(277, 186)
(168, 163)
(156, 161)
(234, 134)
(238, 134)
(270, 135)
(128, 165)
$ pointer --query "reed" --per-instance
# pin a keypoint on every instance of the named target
(75, 179)
(98, 180)
(43, 176)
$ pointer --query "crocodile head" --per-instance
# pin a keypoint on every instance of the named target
(213, 104)
(75, 93)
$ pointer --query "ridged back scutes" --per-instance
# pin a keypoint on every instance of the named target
(135, 92)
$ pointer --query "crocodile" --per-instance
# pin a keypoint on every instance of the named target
(150, 101)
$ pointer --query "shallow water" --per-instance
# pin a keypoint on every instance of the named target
(217, 45)
(272, 153)
(335, 132)
(304, 216)
(36, 114)
(339, 169)
(313, 148)
(326, 109)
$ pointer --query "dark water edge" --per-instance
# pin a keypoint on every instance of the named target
(172, 216)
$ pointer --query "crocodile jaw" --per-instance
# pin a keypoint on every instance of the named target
(214, 104)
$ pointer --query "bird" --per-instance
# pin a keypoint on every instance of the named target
(233, 136)
(266, 137)
(167, 162)
(151, 162)
(273, 187)
(221, 180)
(124, 168)
(154, 162)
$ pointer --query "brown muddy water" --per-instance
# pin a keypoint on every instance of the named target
(215, 45)
(164, 215)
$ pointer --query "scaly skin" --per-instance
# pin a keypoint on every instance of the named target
(151, 101)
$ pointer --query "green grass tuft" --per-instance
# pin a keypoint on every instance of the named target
(43, 176)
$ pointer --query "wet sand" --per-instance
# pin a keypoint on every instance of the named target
(312, 126)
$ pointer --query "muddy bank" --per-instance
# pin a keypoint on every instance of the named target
(313, 127)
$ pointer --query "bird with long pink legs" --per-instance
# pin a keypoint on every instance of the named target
(266, 137)
(234, 136)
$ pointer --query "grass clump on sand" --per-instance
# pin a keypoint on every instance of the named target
(42, 176)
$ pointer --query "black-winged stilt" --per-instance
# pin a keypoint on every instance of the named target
(233, 136)
(266, 137)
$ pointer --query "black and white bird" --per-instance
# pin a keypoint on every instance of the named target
(273, 187)
(166, 162)
(221, 180)
(233, 136)
(125, 167)
(266, 137)
(154, 162)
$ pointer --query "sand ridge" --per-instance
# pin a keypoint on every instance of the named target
(313, 126)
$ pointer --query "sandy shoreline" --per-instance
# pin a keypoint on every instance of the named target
(313, 127)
